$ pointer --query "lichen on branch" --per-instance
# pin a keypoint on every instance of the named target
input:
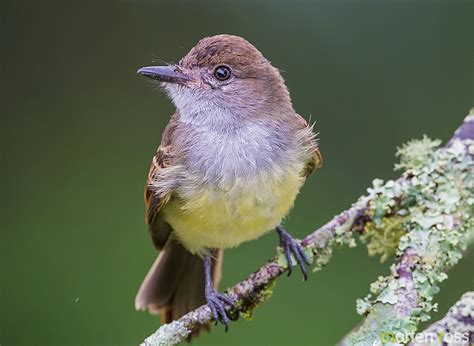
(456, 327)
(432, 207)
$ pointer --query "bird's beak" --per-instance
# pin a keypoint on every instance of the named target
(170, 74)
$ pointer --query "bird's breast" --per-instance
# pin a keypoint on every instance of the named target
(205, 216)
(222, 158)
(234, 187)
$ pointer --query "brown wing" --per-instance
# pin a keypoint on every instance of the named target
(316, 159)
(159, 229)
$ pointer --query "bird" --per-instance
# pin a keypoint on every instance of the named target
(230, 165)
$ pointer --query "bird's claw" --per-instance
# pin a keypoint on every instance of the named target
(291, 247)
(216, 302)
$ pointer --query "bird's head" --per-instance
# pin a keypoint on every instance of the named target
(224, 75)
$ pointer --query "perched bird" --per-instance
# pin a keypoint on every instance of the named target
(231, 161)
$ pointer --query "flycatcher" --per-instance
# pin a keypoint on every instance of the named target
(231, 161)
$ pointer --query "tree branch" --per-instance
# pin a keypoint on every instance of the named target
(438, 232)
(456, 327)
(385, 207)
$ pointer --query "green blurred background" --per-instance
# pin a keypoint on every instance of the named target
(79, 128)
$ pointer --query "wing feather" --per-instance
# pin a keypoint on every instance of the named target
(159, 228)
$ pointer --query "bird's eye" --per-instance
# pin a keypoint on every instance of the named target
(222, 73)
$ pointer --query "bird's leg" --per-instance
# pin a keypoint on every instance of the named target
(215, 300)
(290, 247)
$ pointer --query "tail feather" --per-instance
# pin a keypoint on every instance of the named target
(174, 284)
(159, 284)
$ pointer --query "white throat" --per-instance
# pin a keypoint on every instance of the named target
(197, 109)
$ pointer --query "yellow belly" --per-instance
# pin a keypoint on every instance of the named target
(204, 217)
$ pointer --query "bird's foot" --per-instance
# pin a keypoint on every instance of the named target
(216, 302)
(291, 247)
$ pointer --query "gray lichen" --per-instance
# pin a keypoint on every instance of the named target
(430, 211)
(455, 328)
(169, 334)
